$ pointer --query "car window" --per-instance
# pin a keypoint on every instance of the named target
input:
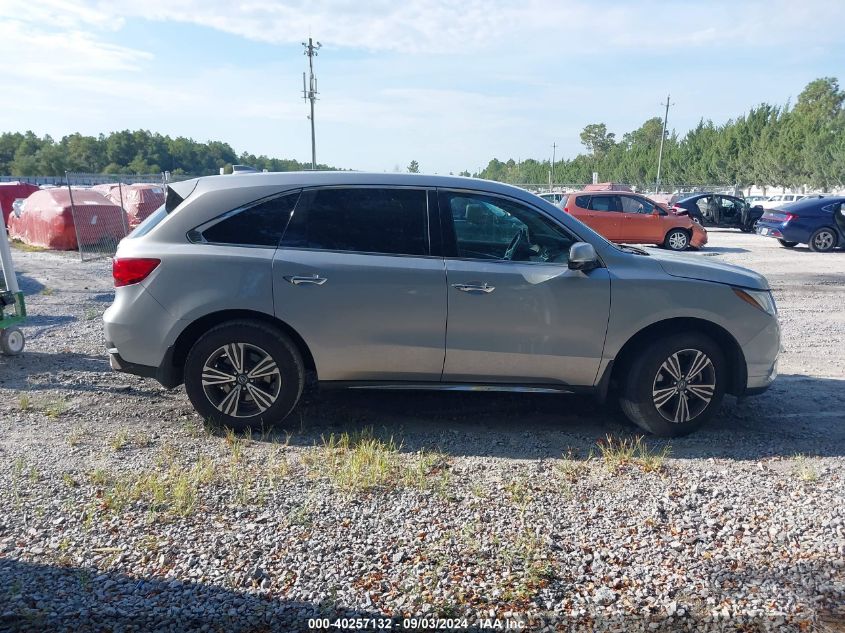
(604, 203)
(727, 203)
(488, 227)
(149, 223)
(260, 224)
(630, 204)
(392, 221)
(582, 202)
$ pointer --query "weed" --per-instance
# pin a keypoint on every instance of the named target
(75, 436)
(142, 440)
(360, 461)
(29, 248)
(620, 453)
(167, 455)
(570, 468)
(235, 444)
(518, 491)
(98, 477)
(300, 515)
(54, 407)
(803, 469)
(119, 440)
(90, 313)
(24, 402)
(69, 481)
(47, 292)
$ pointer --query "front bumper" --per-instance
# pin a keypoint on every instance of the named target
(698, 238)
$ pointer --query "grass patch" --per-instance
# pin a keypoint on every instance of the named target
(69, 481)
(24, 402)
(90, 313)
(804, 470)
(29, 248)
(47, 292)
(570, 468)
(622, 453)
(54, 407)
(75, 436)
(119, 440)
(142, 440)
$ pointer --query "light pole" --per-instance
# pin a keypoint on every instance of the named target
(660, 155)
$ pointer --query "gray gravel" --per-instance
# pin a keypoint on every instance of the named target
(121, 512)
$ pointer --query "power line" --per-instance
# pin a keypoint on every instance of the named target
(310, 94)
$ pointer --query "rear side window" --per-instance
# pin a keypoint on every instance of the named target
(261, 224)
(604, 203)
(582, 202)
(362, 220)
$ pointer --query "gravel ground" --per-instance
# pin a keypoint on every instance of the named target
(121, 512)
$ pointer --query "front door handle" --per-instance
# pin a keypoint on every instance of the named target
(485, 287)
(298, 280)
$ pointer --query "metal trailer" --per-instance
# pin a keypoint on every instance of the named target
(12, 305)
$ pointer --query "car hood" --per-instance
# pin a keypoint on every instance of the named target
(699, 267)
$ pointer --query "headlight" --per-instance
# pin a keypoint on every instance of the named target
(761, 299)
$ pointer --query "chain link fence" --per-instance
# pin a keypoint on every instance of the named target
(107, 207)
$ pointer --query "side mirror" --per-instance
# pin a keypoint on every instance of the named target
(582, 256)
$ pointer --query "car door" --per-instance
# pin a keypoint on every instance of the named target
(356, 278)
(517, 313)
(604, 216)
(638, 224)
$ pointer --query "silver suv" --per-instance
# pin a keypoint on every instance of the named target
(240, 285)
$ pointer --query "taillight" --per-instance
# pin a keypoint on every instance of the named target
(566, 209)
(790, 216)
(131, 270)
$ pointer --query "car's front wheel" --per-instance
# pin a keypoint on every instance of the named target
(674, 385)
(676, 240)
(787, 243)
(244, 374)
(823, 240)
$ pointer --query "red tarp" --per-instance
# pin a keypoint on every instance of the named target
(47, 219)
(140, 200)
(607, 186)
(11, 191)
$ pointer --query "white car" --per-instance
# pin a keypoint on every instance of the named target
(781, 199)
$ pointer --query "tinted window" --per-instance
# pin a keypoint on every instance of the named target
(604, 203)
(631, 204)
(487, 227)
(261, 224)
(582, 201)
(362, 220)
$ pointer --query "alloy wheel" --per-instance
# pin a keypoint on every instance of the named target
(823, 240)
(678, 240)
(684, 385)
(241, 380)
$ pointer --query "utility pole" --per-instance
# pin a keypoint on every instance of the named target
(662, 138)
(310, 93)
(552, 170)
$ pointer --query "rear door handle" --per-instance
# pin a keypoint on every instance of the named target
(485, 288)
(298, 280)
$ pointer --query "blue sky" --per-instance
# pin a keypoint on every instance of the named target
(448, 84)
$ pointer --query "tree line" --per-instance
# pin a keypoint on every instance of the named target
(126, 152)
(780, 146)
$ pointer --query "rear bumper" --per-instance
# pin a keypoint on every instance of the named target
(166, 373)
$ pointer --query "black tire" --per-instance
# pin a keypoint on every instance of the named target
(823, 240)
(673, 240)
(12, 341)
(645, 383)
(787, 243)
(262, 350)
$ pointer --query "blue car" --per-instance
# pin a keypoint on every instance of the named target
(817, 222)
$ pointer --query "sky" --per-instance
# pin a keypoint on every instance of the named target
(448, 84)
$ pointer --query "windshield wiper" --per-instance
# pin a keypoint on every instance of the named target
(632, 249)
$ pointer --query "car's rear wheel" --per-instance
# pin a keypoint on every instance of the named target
(244, 374)
(676, 240)
(823, 240)
(675, 385)
(787, 243)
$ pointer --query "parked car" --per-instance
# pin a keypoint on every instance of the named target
(755, 200)
(239, 285)
(781, 199)
(718, 209)
(629, 218)
(552, 196)
(817, 222)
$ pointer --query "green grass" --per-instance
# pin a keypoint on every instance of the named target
(55, 407)
(119, 440)
(619, 454)
(24, 402)
(29, 248)
(47, 292)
